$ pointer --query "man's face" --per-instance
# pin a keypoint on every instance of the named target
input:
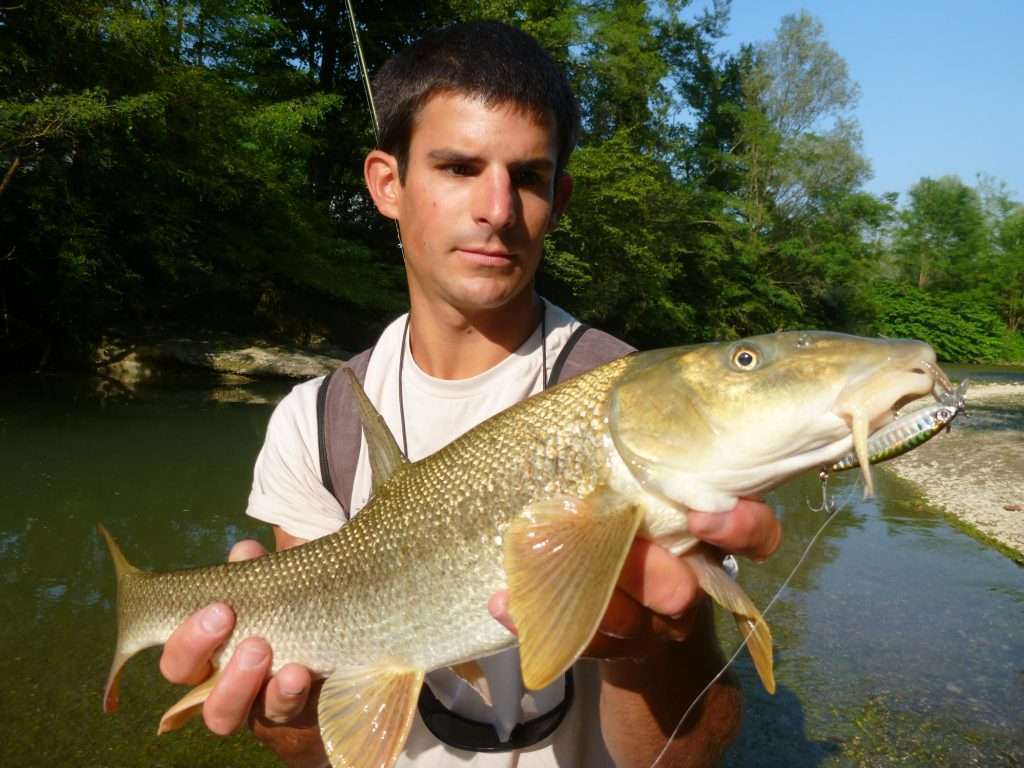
(479, 195)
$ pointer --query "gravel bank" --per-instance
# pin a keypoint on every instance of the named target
(976, 471)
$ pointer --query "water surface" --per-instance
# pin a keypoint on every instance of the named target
(899, 642)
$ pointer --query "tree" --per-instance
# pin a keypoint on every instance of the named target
(943, 240)
(804, 142)
(781, 165)
(157, 160)
(1008, 272)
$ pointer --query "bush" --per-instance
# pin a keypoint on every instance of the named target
(961, 327)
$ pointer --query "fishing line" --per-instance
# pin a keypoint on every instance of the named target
(835, 510)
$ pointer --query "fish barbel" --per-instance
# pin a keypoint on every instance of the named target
(544, 500)
(909, 430)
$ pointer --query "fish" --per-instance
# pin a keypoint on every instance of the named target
(543, 500)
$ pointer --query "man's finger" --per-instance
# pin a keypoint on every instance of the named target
(187, 653)
(628, 630)
(229, 703)
(498, 607)
(658, 580)
(246, 549)
(286, 694)
(749, 529)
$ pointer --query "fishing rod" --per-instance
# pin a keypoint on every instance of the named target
(363, 71)
(368, 88)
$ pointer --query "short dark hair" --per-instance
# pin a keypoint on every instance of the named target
(490, 60)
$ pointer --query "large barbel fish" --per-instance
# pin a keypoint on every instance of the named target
(544, 500)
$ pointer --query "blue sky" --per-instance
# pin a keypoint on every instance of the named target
(942, 82)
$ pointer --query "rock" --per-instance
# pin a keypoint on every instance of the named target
(255, 361)
(134, 362)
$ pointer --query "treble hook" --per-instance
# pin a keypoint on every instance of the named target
(827, 504)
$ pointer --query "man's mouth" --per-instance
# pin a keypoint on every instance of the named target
(491, 257)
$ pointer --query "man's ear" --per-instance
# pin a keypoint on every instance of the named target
(563, 191)
(380, 170)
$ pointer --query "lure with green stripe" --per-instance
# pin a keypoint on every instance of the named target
(909, 431)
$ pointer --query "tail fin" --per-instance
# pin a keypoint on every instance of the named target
(126, 573)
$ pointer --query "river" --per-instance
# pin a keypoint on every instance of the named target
(900, 640)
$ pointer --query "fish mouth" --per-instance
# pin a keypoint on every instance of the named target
(871, 403)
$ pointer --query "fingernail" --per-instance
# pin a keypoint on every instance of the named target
(294, 694)
(215, 619)
(251, 656)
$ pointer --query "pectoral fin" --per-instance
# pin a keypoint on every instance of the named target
(562, 559)
(724, 590)
(365, 714)
(188, 706)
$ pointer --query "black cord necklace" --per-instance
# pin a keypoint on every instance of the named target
(401, 368)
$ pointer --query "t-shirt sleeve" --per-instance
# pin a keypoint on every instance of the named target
(286, 486)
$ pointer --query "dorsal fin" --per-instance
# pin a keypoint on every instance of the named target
(385, 456)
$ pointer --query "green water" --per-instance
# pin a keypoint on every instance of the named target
(900, 640)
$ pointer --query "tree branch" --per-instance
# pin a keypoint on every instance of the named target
(12, 168)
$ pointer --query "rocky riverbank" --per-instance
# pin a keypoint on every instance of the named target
(976, 472)
(133, 362)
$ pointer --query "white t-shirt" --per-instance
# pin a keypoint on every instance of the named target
(288, 491)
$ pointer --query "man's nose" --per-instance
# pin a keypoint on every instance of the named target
(496, 200)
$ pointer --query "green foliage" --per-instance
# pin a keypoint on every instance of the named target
(943, 240)
(959, 326)
(617, 251)
(198, 163)
(1007, 270)
(175, 188)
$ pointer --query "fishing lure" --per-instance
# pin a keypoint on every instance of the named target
(909, 431)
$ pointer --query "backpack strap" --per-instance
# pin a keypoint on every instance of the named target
(336, 410)
(335, 407)
(587, 348)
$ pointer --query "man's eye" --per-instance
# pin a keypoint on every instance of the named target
(458, 169)
(526, 178)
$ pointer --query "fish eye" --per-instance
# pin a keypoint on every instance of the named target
(745, 358)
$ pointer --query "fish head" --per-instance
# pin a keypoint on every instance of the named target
(703, 425)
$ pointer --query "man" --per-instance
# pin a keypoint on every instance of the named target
(477, 125)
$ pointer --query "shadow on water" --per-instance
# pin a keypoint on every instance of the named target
(775, 729)
(901, 642)
(898, 641)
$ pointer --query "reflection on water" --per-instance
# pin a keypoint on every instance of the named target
(899, 640)
(169, 474)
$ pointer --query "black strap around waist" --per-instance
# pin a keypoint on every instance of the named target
(473, 736)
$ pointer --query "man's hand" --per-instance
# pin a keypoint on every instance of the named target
(279, 708)
(657, 593)
(659, 615)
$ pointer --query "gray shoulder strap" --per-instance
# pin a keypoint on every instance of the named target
(339, 432)
(587, 348)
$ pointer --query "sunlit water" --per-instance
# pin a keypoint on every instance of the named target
(899, 642)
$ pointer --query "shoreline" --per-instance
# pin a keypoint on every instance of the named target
(975, 473)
